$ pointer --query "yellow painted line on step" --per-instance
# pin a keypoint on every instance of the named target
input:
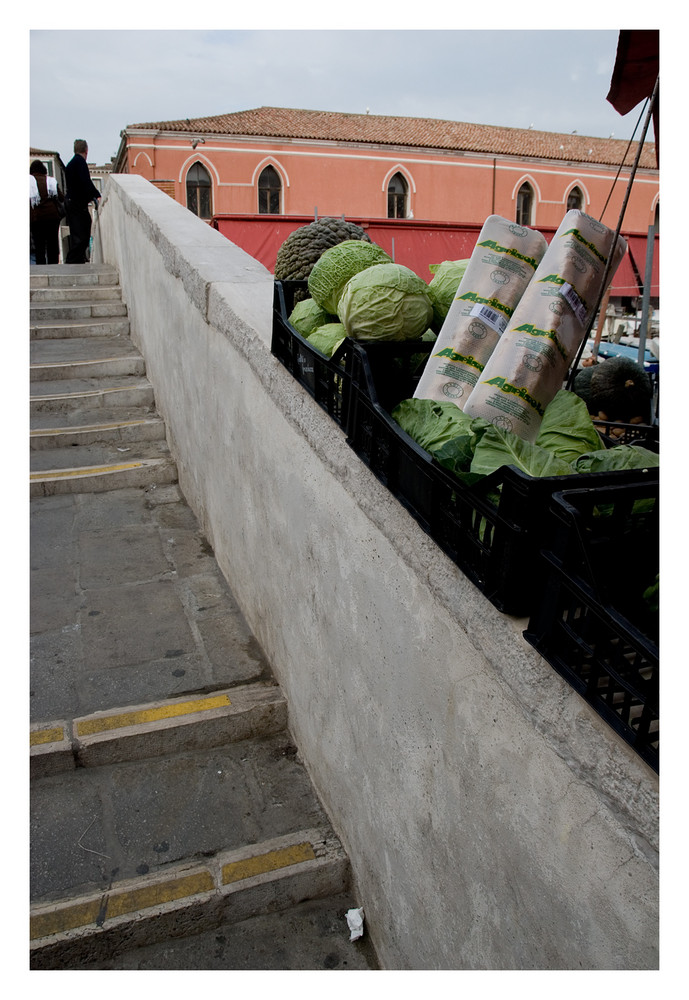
(79, 395)
(55, 921)
(50, 735)
(235, 871)
(87, 727)
(117, 904)
(37, 365)
(79, 473)
(45, 431)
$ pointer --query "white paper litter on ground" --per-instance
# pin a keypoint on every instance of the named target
(355, 922)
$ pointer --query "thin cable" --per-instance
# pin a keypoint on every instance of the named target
(619, 169)
(608, 263)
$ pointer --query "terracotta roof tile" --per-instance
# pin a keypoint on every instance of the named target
(423, 133)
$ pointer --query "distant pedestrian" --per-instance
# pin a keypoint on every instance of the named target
(46, 208)
(81, 191)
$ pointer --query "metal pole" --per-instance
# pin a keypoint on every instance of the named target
(608, 264)
(646, 299)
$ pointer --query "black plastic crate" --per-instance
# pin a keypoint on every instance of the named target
(646, 435)
(592, 623)
(491, 530)
(322, 377)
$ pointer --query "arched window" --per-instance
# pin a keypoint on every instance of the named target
(397, 197)
(575, 199)
(269, 188)
(199, 191)
(524, 204)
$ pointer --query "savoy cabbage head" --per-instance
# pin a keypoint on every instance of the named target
(385, 302)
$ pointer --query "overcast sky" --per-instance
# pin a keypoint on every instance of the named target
(93, 83)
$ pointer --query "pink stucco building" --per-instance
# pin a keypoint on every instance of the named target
(293, 162)
(251, 166)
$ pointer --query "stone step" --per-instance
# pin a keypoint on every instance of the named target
(272, 876)
(97, 478)
(74, 294)
(133, 849)
(78, 395)
(84, 357)
(117, 432)
(312, 936)
(95, 467)
(102, 326)
(47, 312)
(72, 275)
(201, 721)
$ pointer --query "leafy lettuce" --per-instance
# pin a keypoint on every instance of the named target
(471, 448)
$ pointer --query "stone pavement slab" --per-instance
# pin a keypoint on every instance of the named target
(128, 605)
(312, 936)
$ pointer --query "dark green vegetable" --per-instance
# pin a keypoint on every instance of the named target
(304, 246)
(617, 389)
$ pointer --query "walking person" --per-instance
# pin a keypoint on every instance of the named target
(46, 208)
(81, 191)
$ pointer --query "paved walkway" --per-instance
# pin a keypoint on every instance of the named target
(173, 824)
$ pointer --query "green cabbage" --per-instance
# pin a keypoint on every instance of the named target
(443, 286)
(621, 456)
(327, 338)
(385, 302)
(431, 423)
(307, 316)
(472, 448)
(567, 429)
(336, 266)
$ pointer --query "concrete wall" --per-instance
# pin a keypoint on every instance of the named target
(492, 819)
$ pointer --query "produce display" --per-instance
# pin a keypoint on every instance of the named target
(471, 447)
(303, 247)
(327, 338)
(617, 389)
(307, 316)
(442, 288)
(491, 392)
(385, 302)
(534, 353)
(336, 266)
(501, 266)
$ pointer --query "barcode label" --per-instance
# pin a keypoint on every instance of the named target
(490, 317)
(574, 302)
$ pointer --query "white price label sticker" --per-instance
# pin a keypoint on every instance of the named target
(574, 302)
(495, 320)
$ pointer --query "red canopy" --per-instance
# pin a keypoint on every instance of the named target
(635, 73)
(637, 248)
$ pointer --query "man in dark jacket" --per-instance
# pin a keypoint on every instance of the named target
(80, 192)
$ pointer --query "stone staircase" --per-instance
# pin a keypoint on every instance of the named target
(93, 420)
(173, 824)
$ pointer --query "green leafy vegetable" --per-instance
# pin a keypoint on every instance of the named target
(431, 423)
(443, 287)
(498, 447)
(327, 338)
(652, 595)
(307, 316)
(385, 302)
(567, 429)
(336, 266)
(622, 456)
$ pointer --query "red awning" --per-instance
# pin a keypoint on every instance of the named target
(635, 73)
(637, 248)
(624, 280)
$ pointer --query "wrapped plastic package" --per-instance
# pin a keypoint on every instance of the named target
(530, 363)
(502, 264)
